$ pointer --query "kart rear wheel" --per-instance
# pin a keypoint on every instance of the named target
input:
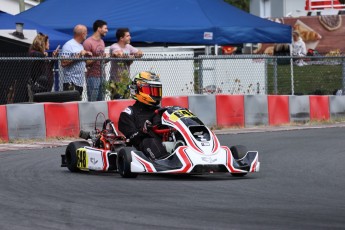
(71, 154)
(238, 151)
(124, 159)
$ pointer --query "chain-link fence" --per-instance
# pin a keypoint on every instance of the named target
(182, 75)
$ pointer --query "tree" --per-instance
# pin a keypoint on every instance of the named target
(242, 4)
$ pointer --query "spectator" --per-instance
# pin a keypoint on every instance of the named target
(41, 74)
(96, 46)
(282, 50)
(298, 48)
(74, 69)
(122, 49)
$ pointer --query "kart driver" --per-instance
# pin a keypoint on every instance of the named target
(135, 120)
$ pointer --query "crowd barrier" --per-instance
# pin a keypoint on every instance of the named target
(51, 120)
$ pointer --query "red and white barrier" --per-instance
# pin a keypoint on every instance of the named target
(230, 110)
(176, 101)
(62, 119)
(3, 123)
(26, 121)
(46, 120)
(319, 107)
(278, 110)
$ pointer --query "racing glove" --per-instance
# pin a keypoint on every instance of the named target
(146, 126)
(137, 137)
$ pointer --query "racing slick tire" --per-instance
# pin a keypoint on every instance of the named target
(238, 152)
(71, 154)
(124, 159)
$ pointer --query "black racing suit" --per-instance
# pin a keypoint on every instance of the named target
(131, 123)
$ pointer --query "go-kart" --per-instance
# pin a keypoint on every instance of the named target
(192, 149)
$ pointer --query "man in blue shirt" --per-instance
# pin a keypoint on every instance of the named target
(74, 70)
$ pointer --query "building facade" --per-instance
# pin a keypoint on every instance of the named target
(16, 6)
(277, 8)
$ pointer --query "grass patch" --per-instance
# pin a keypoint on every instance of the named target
(308, 79)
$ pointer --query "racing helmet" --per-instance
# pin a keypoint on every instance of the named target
(146, 88)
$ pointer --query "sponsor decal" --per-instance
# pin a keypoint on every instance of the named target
(208, 35)
(208, 159)
(93, 160)
(151, 153)
(205, 144)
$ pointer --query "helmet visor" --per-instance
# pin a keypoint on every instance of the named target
(152, 90)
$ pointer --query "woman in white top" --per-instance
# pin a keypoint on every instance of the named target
(298, 48)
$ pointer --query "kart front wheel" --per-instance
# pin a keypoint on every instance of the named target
(71, 154)
(124, 159)
(238, 152)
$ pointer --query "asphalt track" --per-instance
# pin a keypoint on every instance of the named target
(301, 186)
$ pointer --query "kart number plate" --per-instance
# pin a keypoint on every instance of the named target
(180, 114)
(82, 159)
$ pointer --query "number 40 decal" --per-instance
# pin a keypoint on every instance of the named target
(81, 158)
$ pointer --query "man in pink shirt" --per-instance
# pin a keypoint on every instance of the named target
(95, 71)
(122, 49)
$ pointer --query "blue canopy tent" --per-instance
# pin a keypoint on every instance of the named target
(8, 23)
(206, 22)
